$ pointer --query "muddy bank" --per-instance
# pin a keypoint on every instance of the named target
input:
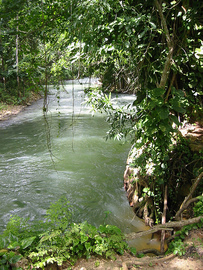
(8, 111)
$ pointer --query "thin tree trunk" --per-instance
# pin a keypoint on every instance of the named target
(3, 69)
(17, 60)
(169, 89)
(192, 190)
(45, 105)
(163, 233)
(169, 58)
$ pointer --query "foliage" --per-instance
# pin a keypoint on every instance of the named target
(57, 239)
(184, 165)
(159, 155)
(8, 259)
(78, 241)
(59, 215)
(198, 208)
(152, 49)
(121, 41)
(177, 246)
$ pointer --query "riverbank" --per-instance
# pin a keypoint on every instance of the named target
(190, 261)
(8, 111)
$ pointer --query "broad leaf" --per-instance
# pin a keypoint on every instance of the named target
(157, 92)
(27, 242)
(174, 119)
(14, 259)
(176, 105)
(163, 112)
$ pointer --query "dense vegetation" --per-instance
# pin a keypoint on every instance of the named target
(56, 240)
(153, 49)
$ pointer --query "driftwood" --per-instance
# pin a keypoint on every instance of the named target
(167, 226)
(186, 200)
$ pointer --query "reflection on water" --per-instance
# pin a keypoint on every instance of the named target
(84, 167)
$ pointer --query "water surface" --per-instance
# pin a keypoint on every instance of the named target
(63, 155)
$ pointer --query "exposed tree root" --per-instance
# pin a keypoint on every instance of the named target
(142, 261)
(147, 251)
(142, 206)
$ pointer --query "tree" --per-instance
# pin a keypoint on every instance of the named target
(158, 46)
(30, 35)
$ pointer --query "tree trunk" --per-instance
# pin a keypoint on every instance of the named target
(168, 62)
(17, 61)
(163, 233)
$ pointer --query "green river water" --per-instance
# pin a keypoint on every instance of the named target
(84, 167)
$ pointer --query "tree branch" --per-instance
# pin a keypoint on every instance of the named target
(167, 226)
(169, 89)
(192, 190)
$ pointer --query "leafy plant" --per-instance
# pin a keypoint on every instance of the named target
(177, 247)
(198, 208)
(59, 215)
(59, 240)
(8, 259)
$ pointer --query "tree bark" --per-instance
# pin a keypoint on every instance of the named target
(163, 233)
(192, 190)
(167, 226)
(17, 60)
(169, 40)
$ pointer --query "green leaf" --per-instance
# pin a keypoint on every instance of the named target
(84, 238)
(164, 127)
(174, 119)
(152, 104)
(4, 267)
(14, 259)
(27, 242)
(157, 92)
(13, 245)
(163, 112)
(176, 106)
(133, 250)
(152, 25)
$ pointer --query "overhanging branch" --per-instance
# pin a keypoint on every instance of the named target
(167, 226)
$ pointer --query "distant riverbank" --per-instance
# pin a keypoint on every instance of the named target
(7, 111)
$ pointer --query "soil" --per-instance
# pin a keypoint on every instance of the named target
(193, 258)
(9, 111)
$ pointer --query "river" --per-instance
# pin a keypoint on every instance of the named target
(69, 157)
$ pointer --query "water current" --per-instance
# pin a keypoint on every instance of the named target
(83, 166)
